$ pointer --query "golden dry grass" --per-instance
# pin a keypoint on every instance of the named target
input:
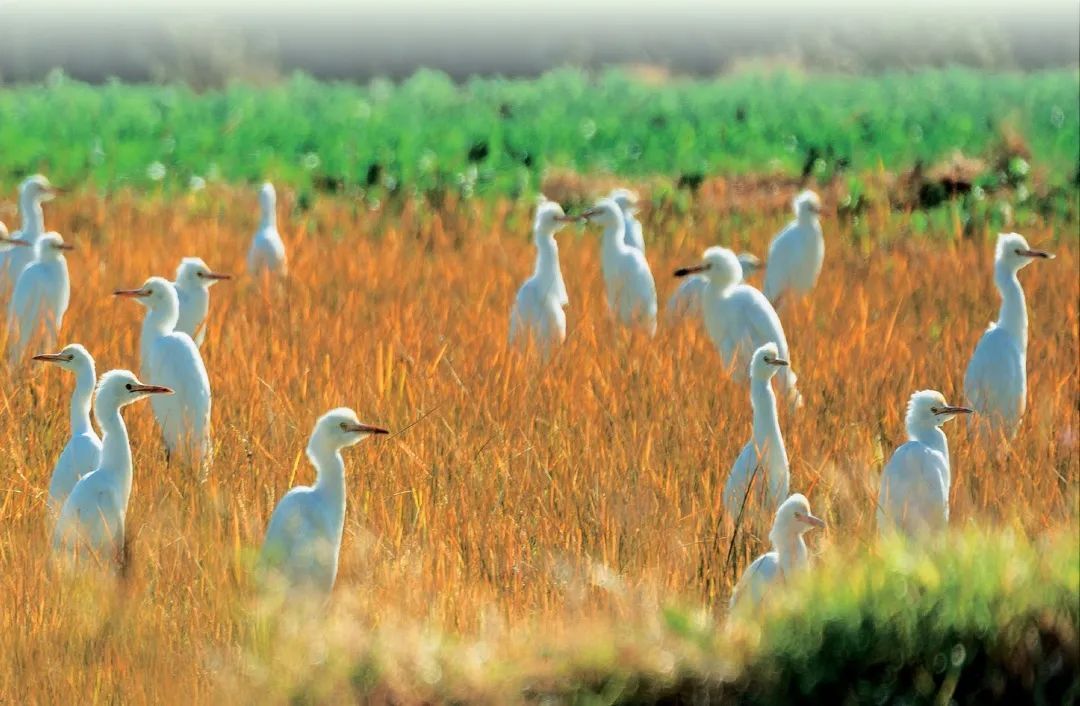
(516, 502)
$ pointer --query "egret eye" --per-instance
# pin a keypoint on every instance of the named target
(128, 387)
(344, 426)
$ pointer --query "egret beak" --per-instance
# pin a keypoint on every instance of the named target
(812, 521)
(953, 410)
(15, 241)
(52, 358)
(1042, 254)
(684, 271)
(133, 293)
(365, 429)
(64, 246)
(586, 215)
(215, 276)
(151, 389)
(777, 361)
(566, 219)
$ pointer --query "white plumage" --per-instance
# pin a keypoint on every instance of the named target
(82, 453)
(41, 297)
(631, 291)
(686, 301)
(303, 538)
(193, 282)
(914, 496)
(32, 193)
(797, 252)
(171, 358)
(740, 319)
(537, 312)
(91, 522)
(771, 571)
(627, 201)
(995, 383)
(763, 462)
(267, 252)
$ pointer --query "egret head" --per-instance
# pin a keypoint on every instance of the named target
(339, 428)
(626, 200)
(793, 519)
(37, 189)
(929, 408)
(193, 272)
(119, 388)
(807, 205)
(267, 197)
(51, 246)
(606, 212)
(156, 293)
(718, 264)
(1013, 252)
(549, 219)
(765, 362)
(73, 358)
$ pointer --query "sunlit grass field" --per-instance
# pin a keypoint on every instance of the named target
(517, 505)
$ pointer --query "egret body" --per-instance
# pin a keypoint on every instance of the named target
(41, 296)
(631, 292)
(797, 252)
(267, 252)
(686, 301)
(538, 309)
(193, 282)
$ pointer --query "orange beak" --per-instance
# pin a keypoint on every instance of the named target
(812, 521)
(133, 293)
(216, 276)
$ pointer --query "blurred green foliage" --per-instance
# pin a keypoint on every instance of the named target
(490, 135)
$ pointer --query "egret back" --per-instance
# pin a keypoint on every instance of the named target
(80, 457)
(687, 299)
(300, 547)
(38, 304)
(184, 416)
(913, 499)
(995, 383)
(91, 523)
(794, 263)
(755, 583)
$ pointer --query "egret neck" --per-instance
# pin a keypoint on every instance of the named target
(330, 483)
(547, 267)
(115, 448)
(80, 402)
(1013, 314)
(159, 321)
(767, 437)
(790, 550)
(268, 219)
(33, 217)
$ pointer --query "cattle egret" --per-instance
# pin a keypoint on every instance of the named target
(627, 201)
(303, 539)
(631, 292)
(914, 497)
(32, 193)
(788, 558)
(171, 358)
(538, 309)
(996, 380)
(796, 253)
(91, 523)
(193, 282)
(739, 318)
(686, 301)
(267, 252)
(82, 453)
(41, 296)
(764, 455)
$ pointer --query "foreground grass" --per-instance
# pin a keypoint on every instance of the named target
(521, 515)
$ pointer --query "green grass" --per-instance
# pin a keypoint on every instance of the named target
(497, 136)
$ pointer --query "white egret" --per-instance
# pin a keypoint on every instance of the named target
(686, 301)
(739, 318)
(193, 282)
(796, 253)
(788, 558)
(763, 462)
(627, 201)
(995, 383)
(91, 523)
(82, 453)
(41, 297)
(631, 292)
(914, 497)
(8, 243)
(171, 358)
(538, 308)
(32, 193)
(267, 251)
(303, 538)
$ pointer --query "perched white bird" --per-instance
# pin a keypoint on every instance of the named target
(91, 523)
(267, 251)
(686, 301)
(631, 292)
(763, 462)
(193, 282)
(771, 571)
(996, 380)
(171, 358)
(914, 497)
(627, 202)
(41, 296)
(32, 193)
(303, 539)
(82, 453)
(739, 318)
(538, 309)
(796, 253)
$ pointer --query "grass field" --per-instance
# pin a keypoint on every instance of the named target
(544, 517)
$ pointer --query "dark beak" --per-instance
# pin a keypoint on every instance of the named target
(954, 410)
(64, 246)
(1042, 254)
(50, 357)
(215, 276)
(152, 389)
(134, 293)
(15, 241)
(777, 361)
(366, 429)
(586, 215)
(684, 271)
